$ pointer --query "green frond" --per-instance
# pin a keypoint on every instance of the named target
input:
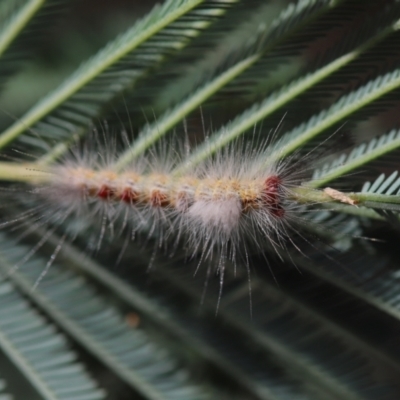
(262, 380)
(382, 194)
(286, 24)
(338, 229)
(280, 99)
(270, 305)
(329, 332)
(164, 308)
(153, 132)
(359, 212)
(237, 41)
(367, 198)
(260, 111)
(270, 34)
(4, 395)
(358, 157)
(288, 62)
(85, 314)
(116, 68)
(366, 279)
(346, 106)
(39, 351)
(17, 22)
(288, 330)
(191, 69)
(20, 24)
(389, 186)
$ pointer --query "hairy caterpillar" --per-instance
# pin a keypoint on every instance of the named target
(216, 204)
(236, 201)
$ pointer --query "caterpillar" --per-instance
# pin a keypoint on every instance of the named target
(234, 195)
(238, 200)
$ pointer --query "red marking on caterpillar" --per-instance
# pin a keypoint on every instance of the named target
(129, 196)
(105, 193)
(273, 195)
(159, 199)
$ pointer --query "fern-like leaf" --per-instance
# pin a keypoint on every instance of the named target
(39, 351)
(21, 23)
(116, 68)
(101, 328)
